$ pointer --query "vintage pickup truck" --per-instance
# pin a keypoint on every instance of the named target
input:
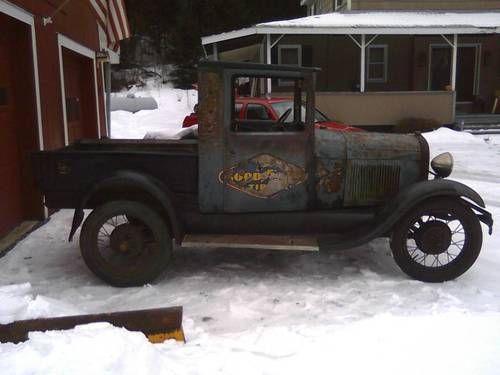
(271, 185)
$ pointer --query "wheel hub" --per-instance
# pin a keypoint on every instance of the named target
(126, 239)
(433, 237)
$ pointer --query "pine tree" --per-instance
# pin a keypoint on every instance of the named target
(175, 28)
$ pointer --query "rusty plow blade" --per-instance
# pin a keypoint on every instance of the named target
(157, 325)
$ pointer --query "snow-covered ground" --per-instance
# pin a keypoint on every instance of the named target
(263, 312)
(173, 106)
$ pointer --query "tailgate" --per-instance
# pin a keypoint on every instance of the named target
(52, 171)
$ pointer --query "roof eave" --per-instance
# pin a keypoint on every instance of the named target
(408, 30)
(229, 35)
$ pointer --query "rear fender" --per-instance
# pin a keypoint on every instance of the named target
(123, 182)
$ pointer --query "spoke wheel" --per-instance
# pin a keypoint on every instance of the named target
(125, 243)
(438, 241)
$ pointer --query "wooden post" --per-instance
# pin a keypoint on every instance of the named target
(363, 63)
(107, 73)
(454, 63)
(268, 58)
(216, 52)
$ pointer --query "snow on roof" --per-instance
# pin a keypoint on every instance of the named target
(394, 19)
(376, 22)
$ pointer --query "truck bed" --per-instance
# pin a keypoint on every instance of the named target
(64, 176)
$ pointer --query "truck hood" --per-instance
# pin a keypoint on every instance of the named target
(362, 169)
(369, 146)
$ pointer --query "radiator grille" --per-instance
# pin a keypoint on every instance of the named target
(369, 182)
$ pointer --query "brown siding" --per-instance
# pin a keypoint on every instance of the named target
(424, 4)
(408, 60)
(339, 60)
(342, 66)
(399, 63)
(337, 56)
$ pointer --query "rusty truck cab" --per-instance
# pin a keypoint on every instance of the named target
(258, 157)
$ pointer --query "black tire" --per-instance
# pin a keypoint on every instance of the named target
(133, 255)
(414, 239)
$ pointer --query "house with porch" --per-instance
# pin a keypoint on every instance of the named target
(384, 60)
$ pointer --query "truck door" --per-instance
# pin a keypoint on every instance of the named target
(267, 163)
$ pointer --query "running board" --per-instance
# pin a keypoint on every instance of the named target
(235, 241)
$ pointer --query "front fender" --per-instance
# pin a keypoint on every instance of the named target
(123, 181)
(401, 204)
(421, 191)
(432, 188)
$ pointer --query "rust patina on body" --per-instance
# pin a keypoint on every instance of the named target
(259, 183)
(366, 169)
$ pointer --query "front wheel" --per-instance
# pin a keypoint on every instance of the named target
(438, 241)
(125, 243)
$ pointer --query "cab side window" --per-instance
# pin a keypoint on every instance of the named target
(258, 114)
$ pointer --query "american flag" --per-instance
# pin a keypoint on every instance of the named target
(112, 17)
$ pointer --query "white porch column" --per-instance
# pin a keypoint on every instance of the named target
(262, 59)
(362, 45)
(454, 54)
(268, 61)
(363, 64)
(454, 63)
(215, 52)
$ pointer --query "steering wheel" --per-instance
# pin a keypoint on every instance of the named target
(280, 124)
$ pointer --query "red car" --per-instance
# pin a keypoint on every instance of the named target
(248, 108)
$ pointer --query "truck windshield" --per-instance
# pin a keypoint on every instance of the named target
(281, 107)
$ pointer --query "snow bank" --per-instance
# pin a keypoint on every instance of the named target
(97, 348)
(18, 303)
(450, 343)
(448, 136)
(476, 157)
(263, 312)
(190, 132)
(173, 106)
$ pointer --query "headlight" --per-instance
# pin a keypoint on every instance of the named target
(442, 164)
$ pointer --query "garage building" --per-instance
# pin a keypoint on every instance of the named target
(52, 56)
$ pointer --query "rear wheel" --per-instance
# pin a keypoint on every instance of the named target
(125, 243)
(438, 241)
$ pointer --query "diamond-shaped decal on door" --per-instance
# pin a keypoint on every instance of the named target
(263, 176)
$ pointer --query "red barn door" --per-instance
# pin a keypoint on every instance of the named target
(79, 86)
(18, 127)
